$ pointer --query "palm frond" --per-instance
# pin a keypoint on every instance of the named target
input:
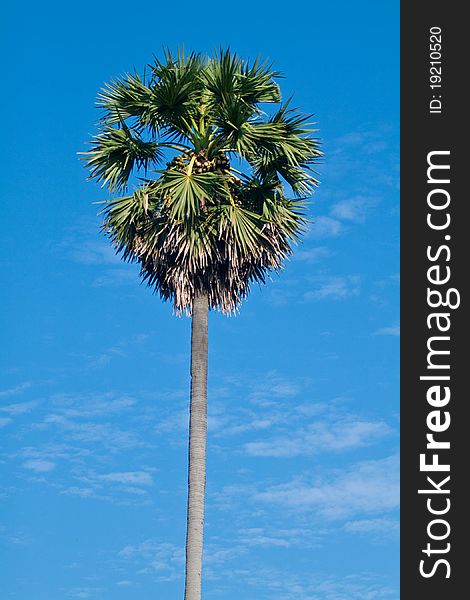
(256, 83)
(186, 194)
(128, 97)
(176, 90)
(114, 154)
(229, 79)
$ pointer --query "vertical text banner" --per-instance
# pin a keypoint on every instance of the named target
(435, 257)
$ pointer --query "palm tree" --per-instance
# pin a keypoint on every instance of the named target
(201, 230)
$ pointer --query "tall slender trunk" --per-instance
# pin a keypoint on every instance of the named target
(197, 448)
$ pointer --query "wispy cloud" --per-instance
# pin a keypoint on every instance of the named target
(316, 288)
(128, 477)
(112, 436)
(273, 385)
(83, 592)
(379, 527)
(394, 330)
(351, 139)
(81, 492)
(178, 420)
(120, 349)
(39, 465)
(91, 405)
(19, 408)
(365, 488)
(313, 255)
(93, 252)
(105, 358)
(116, 486)
(15, 537)
(250, 425)
(51, 452)
(325, 227)
(117, 277)
(93, 420)
(324, 436)
(370, 142)
(84, 245)
(353, 209)
(275, 537)
(14, 391)
(334, 288)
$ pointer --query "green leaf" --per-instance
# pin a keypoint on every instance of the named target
(186, 194)
(115, 152)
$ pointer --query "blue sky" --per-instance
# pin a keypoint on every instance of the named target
(302, 489)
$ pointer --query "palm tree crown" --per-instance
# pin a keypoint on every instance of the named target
(199, 226)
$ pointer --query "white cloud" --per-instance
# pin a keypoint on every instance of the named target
(342, 435)
(354, 138)
(16, 537)
(93, 252)
(39, 465)
(119, 487)
(18, 389)
(5, 421)
(381, 527)
(129, 489)
(281, 538)
(250, 424)
(78, 491)
(324, 227)
(217, 555)
(334, 288)
(353, 209)
(20, 408)
(51, 452)
(370, 142)
(313, 255)
(91, 405)
(105, 358)
(178, 420)
(365, 488)
(83, 592)
(273, 386)
(117, 277)
(105, 434)
(128, 477)
(393, 330)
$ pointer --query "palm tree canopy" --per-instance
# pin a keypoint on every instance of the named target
(195, 224)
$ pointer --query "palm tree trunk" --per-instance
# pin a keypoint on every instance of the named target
(197, 448)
